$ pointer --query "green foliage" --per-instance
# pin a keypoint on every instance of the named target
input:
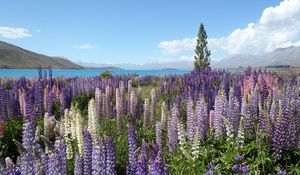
(12, 130)
(81, 102)
(106, 74)
(202, 53)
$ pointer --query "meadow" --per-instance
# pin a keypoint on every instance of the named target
(203, 122)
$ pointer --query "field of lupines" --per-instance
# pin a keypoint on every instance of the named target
(205, 122)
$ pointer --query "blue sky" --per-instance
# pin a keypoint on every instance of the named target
(146, 31)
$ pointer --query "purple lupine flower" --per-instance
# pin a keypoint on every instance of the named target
(142, 163)
(245, 169)
(281, 172)
(78, 165)
(132, 150)
(236, 168)
(50, 103)
(248, 122)
(190, 119)
(110, 156)
(254, 102)
(157, 166)
(201, 117)
(87, 158)
(221, 108)
(132, 105)
(1, 129)
(238, 158)
(233, 111)
(173, 129)
(61, 156)
(97, 158)
(107, 102)
(129, 89)
(158, 135)
(119, 109)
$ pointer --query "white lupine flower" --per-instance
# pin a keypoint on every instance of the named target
(92, 119)
(196, 146)
(79, 134)
(163, 113)
(67, 135)
(153, 105)
(229, 129)
(241, 135)
(181, 135)
(146, 113)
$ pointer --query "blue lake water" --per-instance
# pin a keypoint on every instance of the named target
(89, 72)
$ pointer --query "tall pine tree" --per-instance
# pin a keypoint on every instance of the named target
(202, 53)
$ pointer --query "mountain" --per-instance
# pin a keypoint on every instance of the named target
(282, 56)
(14, 57)
(179, 65)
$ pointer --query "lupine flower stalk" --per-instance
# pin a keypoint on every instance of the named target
(146, 113)
(153, 105)
(190, 119)
(163, 113)
(93, 121)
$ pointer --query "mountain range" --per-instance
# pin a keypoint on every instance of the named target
(282, 56)
(14, 57)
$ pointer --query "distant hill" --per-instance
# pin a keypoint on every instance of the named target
(282, 56)
(14, 57)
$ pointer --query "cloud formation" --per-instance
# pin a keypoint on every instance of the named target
(85, 46)
(277, 27)
(14, 33)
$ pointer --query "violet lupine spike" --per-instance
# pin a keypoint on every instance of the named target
(201, 118)
(157, 166)
(190, 119)
(122, 96)
(110, 156)
(78, 165)
(107, 102)
(153, 105)
(1, 129)
(221, 108)
(263, 120)
(132, 105)
(97, 158)
(132, 150)
(172, 127)
(61, 155)
(249, 119)
(233, 111)
(50, 103)
(129, 89)
(142, 163)
(139, 105)
(146, 113)
(119, 109)
(87, 158)
(158, 135)
(254, 99)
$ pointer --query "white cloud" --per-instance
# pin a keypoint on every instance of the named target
(14, 33)
(175, 46)
(85, 46)
(277, 27)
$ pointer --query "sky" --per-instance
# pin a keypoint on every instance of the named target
(135, 31)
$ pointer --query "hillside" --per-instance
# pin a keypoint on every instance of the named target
(282, 56)
(14, 57)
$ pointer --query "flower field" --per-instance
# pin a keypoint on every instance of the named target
(205, 122)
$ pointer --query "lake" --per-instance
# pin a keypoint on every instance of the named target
(86, 72)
